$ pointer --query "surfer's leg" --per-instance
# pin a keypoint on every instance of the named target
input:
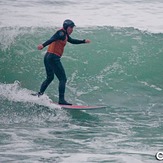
(61, 75)
(49, 67)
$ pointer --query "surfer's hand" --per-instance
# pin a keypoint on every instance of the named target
(87, 41)
(40, 47)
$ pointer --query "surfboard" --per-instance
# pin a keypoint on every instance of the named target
(80, 107)
(75, 107)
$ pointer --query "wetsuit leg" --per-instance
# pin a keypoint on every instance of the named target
(53, 66)
(49, 67)
(61, 75)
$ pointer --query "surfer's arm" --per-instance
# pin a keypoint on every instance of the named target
(57, 36)
(76, 41)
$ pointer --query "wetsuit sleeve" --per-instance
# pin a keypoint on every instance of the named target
(75, 41)
(59, 35)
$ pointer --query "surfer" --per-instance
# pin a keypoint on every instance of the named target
(52, 57)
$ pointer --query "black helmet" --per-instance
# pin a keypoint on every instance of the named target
(68, 23)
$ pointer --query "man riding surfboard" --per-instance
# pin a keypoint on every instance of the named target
(52, 58)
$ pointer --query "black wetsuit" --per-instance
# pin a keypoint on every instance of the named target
(53, 64)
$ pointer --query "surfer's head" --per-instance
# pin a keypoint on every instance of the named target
(68, 23)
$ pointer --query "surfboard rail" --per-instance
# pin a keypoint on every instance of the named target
(81, 107)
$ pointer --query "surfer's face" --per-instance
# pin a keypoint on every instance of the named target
(69, 30)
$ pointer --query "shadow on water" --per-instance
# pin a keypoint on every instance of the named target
(79, 115)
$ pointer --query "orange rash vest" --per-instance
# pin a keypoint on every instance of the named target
(58, 41)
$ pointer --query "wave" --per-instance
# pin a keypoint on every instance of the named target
(119, 62)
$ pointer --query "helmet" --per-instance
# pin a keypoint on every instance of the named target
(68, 23)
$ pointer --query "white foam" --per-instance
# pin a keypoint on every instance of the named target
(151, 86)
(14, 92)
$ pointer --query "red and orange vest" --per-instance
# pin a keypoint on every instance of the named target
(57, 47)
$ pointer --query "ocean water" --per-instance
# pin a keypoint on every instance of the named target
(121, 68)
